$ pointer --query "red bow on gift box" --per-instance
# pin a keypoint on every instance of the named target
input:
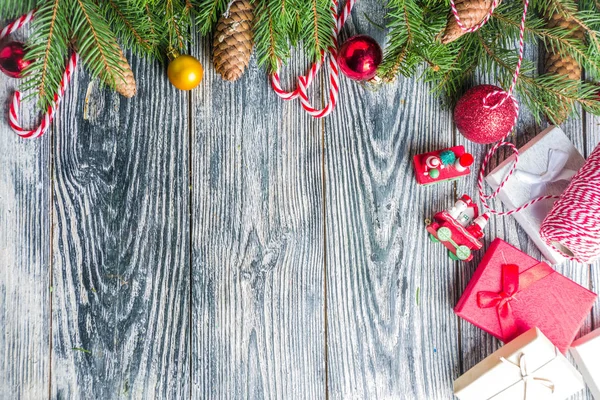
(512, 284)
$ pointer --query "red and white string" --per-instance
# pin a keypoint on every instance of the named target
(574, 221)
(305, 81)
(494, 100)
(16, 102)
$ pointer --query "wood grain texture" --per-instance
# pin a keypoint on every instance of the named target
(258, 306)
(24, 256)
(391, 330)
(120, 321)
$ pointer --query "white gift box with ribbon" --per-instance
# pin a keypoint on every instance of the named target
(528, 368)
(586, 352)
(546, 165)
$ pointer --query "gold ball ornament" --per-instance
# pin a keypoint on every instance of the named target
(185, 72)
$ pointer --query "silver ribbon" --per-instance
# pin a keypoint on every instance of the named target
(528, 377)
(555, 172)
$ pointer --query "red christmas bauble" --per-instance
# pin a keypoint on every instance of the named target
(12, 59)
(481, 124)
(359, 57)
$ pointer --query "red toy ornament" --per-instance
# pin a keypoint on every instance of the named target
(12, 59)
(481, 124)
(359, 57)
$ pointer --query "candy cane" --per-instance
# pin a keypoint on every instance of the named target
(16, 102)
(49, 115)
(18, 23)
(305, 81)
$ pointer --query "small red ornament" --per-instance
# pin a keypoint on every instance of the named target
(481, 124)
(12, 59)
(359, 57)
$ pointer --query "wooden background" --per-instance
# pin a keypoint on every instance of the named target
(222, 244)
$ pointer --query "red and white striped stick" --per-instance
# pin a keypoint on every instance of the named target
(49, 115)
(16, 102)
(16, 24)
(304, 81)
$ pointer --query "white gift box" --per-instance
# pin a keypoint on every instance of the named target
(528, 368)
(546, 165)
(586, 352)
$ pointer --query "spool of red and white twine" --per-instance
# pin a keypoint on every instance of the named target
(16, 102)
(573, 225)
(304, 81)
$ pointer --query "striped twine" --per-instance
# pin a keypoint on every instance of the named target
(16, 102)
(492, 101)
(573, 225)
(304, 81)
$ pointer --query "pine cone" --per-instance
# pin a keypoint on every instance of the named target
(471, 12)
(126, 86)
(233, 41)
(563, 64)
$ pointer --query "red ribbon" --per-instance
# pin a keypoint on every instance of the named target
(512, 284)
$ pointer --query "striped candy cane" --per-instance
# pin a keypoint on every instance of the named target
(16, 102)
(305, 81)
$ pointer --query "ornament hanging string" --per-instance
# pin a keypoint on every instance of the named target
(16, 102)
(305, 81)
(492, 101)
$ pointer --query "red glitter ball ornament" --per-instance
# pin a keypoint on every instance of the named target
(359, 57)
(480, 124)
(12, 59)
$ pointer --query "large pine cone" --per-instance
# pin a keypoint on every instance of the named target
(471, 13)
(233, 41)
(563, 64)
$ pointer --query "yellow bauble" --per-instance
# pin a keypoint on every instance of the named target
(185, 72)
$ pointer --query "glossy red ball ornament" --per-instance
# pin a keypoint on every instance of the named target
(12, 59)
(481, 124)
(359, 57)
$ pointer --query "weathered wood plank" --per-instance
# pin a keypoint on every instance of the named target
(391, 329)
(258, 283)
(121, 241)
(24, 256)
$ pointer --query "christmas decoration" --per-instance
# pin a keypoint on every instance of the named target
(359, 57)
(546, 299)
(305, 81)
(585, 351)
(185, 72)
(546, 165)
(12, 59)
(459, 229)
(148, 27)
(571, 227)
(442, 165)
(481, 124)
(233, 41)
(527, 368)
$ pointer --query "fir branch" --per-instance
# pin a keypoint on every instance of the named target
(208, 12)
(96, 43)
(48, 50)
(270, 34)
(129, 21)
(10, 9)
(317, 27)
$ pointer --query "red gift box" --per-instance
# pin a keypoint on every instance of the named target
(512, 292)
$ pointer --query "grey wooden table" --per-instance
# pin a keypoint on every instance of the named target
(222, 244)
